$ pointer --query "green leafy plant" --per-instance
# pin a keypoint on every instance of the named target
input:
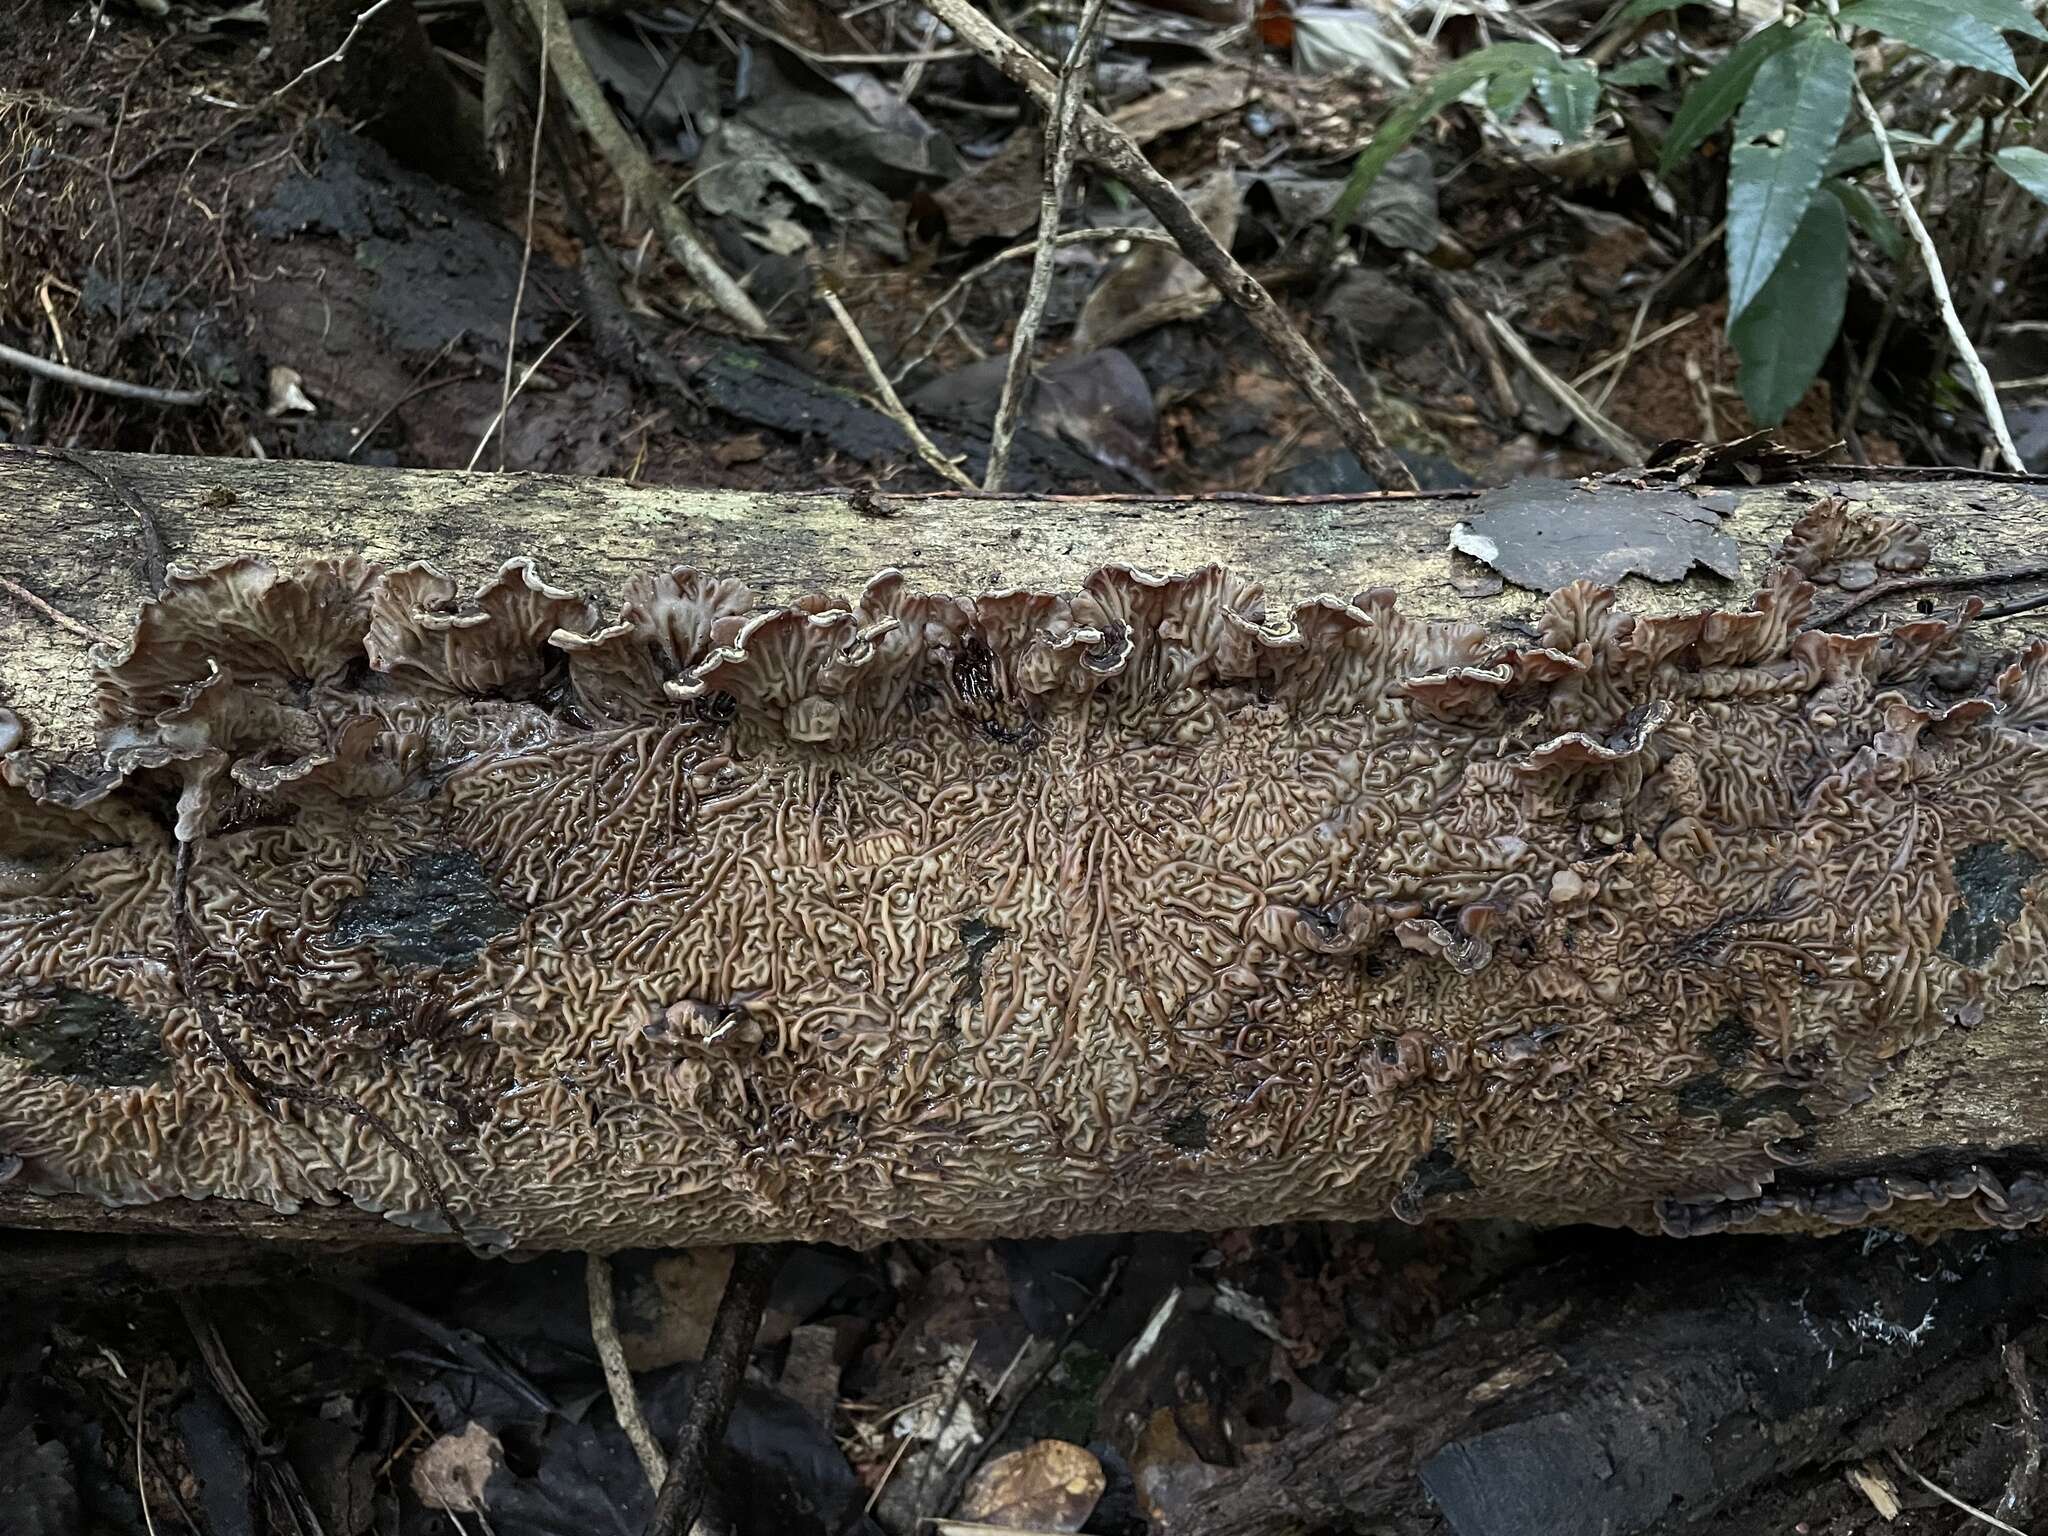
(2028, 167)
(1789, 90)
(1568, 88)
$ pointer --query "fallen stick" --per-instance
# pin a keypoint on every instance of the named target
(643, 907)
(701, 1435)
(618, 1376)
(1110, 149)
(1611, 435)
(643, 184)
(99, 384)
(892, 403)
(1061, 135)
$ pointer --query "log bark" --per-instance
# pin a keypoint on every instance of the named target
(655, 895)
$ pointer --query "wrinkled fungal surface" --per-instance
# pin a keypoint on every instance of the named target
(903, 913)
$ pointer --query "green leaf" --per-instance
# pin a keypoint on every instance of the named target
(1784, 336)
(1636, 10)
(1419, 106)
(1647, 70)
(1507, 91)
(1862, 207)
(1570, 93)
(1712, 101)
(2028, 167)
(1861, 152)
(1948, 29)
(2006, 15)
(1790, 120)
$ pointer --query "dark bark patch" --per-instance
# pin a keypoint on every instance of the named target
(437, 912)
(89, 1039)
(1710, 1094)
(1729, 1041)
(1435, 1173)
(1188, 1131)
(979, 938)
(1991, 880)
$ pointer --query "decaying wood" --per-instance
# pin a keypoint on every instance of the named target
(1604, 1398)
(1190, 864)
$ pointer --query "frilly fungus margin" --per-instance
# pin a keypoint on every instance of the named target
(909, 913)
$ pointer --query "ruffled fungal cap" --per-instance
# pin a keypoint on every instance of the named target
(1848, 546)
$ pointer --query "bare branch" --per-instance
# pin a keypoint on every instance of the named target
(1061, 142)
(1937, 279)
(892, 405)
(1108, 147)
(618, 1377)
(644, 184)
(99, 384)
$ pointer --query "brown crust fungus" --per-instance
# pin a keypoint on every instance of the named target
(901, 913)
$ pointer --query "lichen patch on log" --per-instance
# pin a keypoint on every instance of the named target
(896, 913)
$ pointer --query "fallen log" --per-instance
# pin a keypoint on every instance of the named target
(1192, 864)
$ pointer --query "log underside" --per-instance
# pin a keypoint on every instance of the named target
(648, 904)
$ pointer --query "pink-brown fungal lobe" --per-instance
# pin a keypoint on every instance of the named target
(891, 913)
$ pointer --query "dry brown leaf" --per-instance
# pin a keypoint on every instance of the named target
(1871, 1481)
(451, 1472)
(743, 449)
(1050, 1485)
(668, 1315)
(1155, 283)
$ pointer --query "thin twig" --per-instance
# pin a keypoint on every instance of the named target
(1474, 330)
(1110, 148)
(618, 1378)
(362, 20)
(716, 1384)
(642, 183)
(981, 269)
(142, 1486)
(55, 615)
(277, 1477)
(1973, 365)
(888, 1472)
(2013, 610)
(156, 555)
(464, 1345)
(1610, 433)
(947, 1409)
(419, 386)
(760, 28)
(1702, 399)
(1706, 242)
(100, 384)
(1942, 1493)
(1002, 1425)
(2035, 572)
(892, 406)
(2018, 1499)
(1138, 233)
(1617, 361)
(525, 374)
(1859, 385)
(1060, 145)
(540, 117)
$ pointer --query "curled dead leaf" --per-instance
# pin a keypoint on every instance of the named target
(1050, 1485)
(452, 1471)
